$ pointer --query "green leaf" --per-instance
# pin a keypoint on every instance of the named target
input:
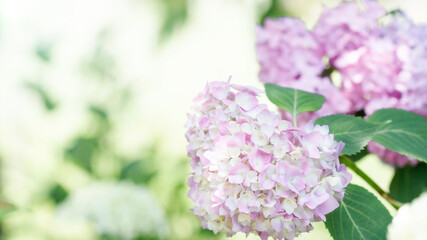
(82, 151)
(6, 208)
(44, 51)
(57, 193)
(175, 16)
(409, 182)
(355, 132)
(99, 112)
(360, 216)
(292, 100)
(403, 132)
(45, 97)
(139, 171)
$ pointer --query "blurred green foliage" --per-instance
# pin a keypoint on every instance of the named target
(276, 9)
(100, 63)
(43, 51)
(139, 171)
(43, 94)
(57, 193)
(138, 238)
(82, 151)
(6, 208)
(175, 14)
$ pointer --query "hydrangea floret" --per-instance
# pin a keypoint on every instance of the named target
(256, 173)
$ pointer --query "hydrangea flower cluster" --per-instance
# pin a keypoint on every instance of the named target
(256, 173)
(410, 221)
(117, 209)
(380, 65)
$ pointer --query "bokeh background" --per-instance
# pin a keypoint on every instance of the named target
(96, 90)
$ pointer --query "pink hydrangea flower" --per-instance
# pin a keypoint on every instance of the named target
(371, 73)
(345, 33)
(413, 76)
(288, 52)
(378, 74)
(346, 27)
(387, 72)
(254, 172)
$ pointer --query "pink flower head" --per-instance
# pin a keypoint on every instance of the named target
(287, 51)
(253, 172)
(346, 27)
(388, 72)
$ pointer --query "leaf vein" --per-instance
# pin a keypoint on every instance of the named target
(352, 220)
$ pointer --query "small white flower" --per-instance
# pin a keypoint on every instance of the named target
(410, 221)
(117, 209)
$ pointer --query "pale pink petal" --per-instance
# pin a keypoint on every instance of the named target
(246, 101)
(326, 207)
(237, 173)
(259, 160)
(219, 89)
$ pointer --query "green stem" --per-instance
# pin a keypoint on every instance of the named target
(349, 163)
